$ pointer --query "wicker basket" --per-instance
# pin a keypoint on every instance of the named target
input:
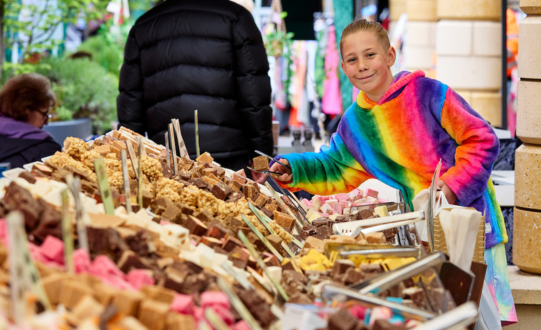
(441, 245)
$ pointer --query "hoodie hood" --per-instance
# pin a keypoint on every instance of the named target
(14, 129)
(400, 81)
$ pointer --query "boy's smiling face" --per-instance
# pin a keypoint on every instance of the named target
(367, 64)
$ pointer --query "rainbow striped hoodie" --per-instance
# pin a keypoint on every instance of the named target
(400, 141)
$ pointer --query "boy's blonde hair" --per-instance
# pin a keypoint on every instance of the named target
(364, 25)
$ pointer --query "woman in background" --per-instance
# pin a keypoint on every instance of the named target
(25, 101)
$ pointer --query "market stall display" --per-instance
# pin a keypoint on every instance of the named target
(142, 245)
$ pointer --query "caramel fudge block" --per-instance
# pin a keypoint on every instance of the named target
(152, 314)
(260, 200)
(175, 321)
(87, 307)
(261, 163)
(52, 285)
(375, 238)
(195, 226)
(128, 301)
(221, 190)
(284, 220)
(104, 294)
(275, 241)
(249, 191)
(72, 292)
(205, 158)
(235, 185)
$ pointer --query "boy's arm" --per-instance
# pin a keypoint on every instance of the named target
(332, 170)
(476, 152)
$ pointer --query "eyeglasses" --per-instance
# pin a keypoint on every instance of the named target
(46, 115)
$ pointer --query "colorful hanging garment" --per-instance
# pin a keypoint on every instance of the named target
(332, 99)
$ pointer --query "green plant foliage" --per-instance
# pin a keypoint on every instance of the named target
(105, 52)
(13, 69)
(35, 25)
(84, 89)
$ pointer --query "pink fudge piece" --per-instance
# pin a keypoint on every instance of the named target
(372, 200)
(307, 203)
(371, 193)
(347, 204)
(53, 249)
(355, 194)
(380, 313)
(183, 304)
(337, 208)
(35, 251)
(358, 311)
(342, 197)
(331, 202)
(382, 200)
(3, 231)
(82, 261)
(324, 215)
(326, 208)
(224, 314)
(139, 277)
(103, 267)
(199, 314)
(164, 222)
(241, 325)
(214, 298)
(360, 202)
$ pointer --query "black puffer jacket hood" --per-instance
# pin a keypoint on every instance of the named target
(207, 55)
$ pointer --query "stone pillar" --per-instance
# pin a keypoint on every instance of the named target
(468, 46)
(527, 215)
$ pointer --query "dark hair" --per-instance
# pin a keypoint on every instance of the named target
(364, 25)
(25, 93)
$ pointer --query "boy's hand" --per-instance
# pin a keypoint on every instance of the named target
(449, 194)
(287, 176)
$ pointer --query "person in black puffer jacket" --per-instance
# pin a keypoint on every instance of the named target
(199, 54)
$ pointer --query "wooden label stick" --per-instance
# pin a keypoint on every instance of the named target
(262, 265)
(28, 275)
(67, 233)
(259, 217)
(263, 239)
(16, 267)
(140, 183)
(103, 185)
(126, 180)
(180, 139)
(198, 151)
(133, 159)
(75, 186)
(173, 148)
(167, 156)
(238, 305)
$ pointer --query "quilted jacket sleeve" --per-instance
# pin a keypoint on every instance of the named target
(253, 83)
(130, 105)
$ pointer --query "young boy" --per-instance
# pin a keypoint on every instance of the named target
(397, 131)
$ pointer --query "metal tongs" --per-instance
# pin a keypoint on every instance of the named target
(383, 253)
(389, 279)
(352, 226)
(331, 291)
(455, 319)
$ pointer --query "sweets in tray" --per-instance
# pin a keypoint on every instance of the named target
(205, 246)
